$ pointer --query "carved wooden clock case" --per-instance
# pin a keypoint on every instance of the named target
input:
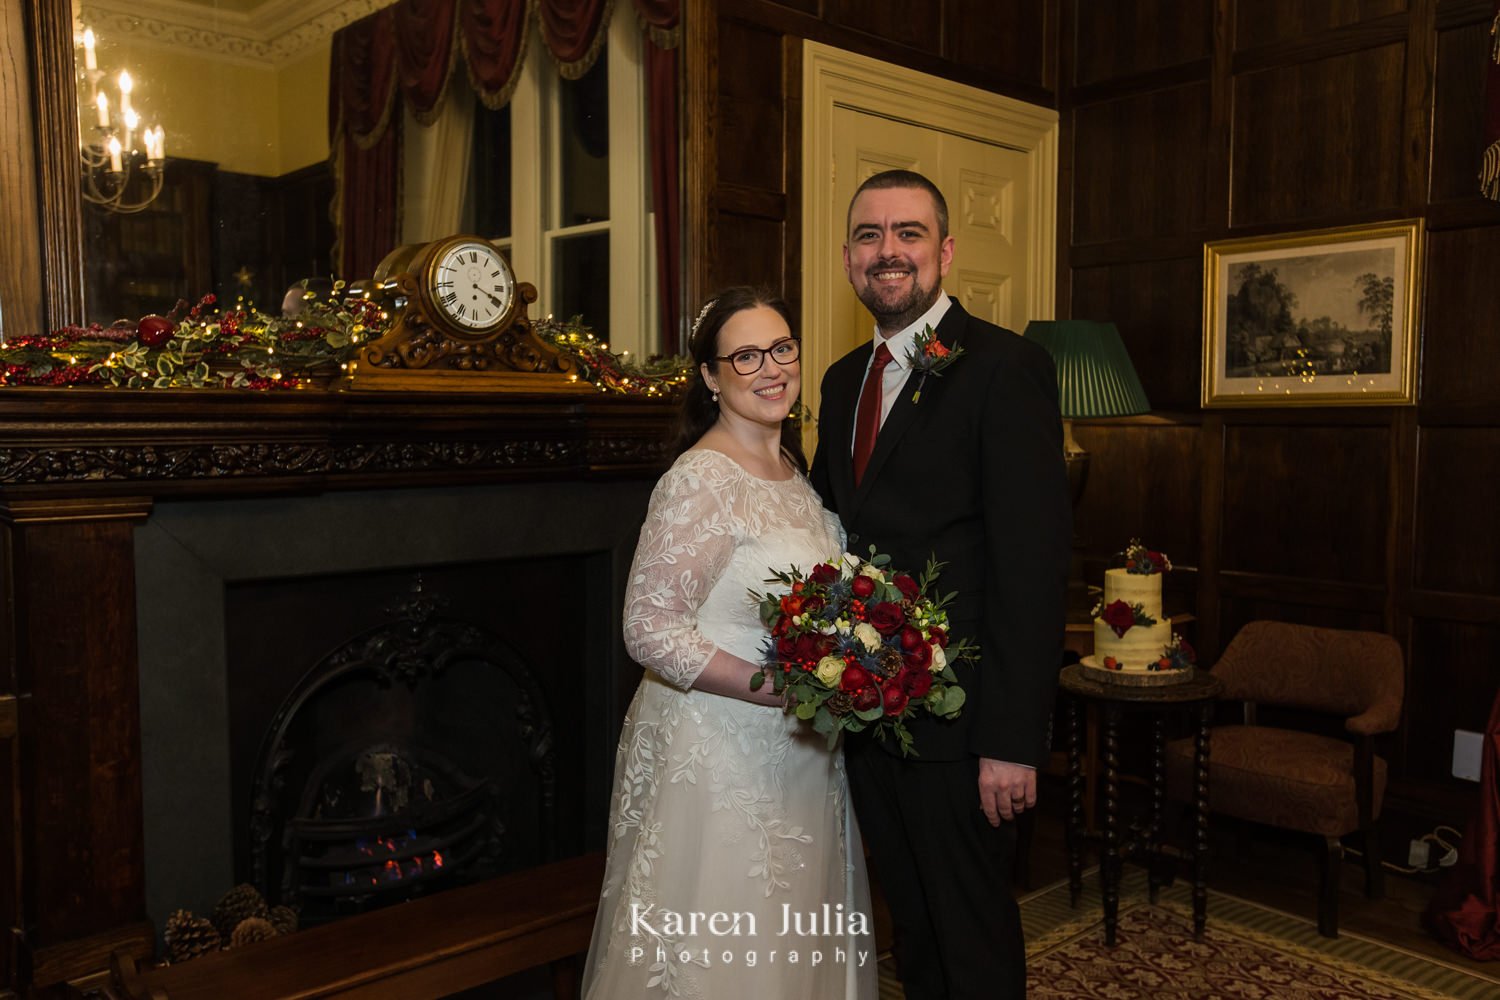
(461, 323)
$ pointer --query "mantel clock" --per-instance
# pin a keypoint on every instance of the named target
(460, 322)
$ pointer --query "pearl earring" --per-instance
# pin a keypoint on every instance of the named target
(716, 395)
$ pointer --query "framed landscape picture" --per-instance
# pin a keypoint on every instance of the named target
(1324, 318)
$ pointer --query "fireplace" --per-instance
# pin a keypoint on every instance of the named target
(415, 756)
(355, 716)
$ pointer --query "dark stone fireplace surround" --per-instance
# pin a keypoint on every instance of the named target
(126, 519)
(189, 556)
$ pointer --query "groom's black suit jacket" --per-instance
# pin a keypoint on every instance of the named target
(972, 473)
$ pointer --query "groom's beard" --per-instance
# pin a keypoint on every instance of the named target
(896, 310)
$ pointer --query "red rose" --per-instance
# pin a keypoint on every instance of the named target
(808, 649)
(911, 639)
(855, 678)
(1158, 562)
(826, 645)
(866, 697)
(823, 573)
(786, 648)
(938, 636)
(812, 605)
(862, 586)
(791, 605)
(1186, 650)
(917, 682)
(894, 696)
(907, 586)
(887, 617)
(936, 348)
(919, 658)
(1120, 617)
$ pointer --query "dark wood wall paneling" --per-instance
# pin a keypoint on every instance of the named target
(1271, 116)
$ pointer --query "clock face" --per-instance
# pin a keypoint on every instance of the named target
(472, 285)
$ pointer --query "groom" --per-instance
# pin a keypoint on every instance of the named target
(965, 465)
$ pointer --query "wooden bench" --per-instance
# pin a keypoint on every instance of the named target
(429, 947)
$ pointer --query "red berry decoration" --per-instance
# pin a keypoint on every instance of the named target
(154, 331)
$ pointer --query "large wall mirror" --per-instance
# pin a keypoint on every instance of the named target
(205, 161)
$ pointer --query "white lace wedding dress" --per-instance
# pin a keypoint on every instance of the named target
(731, 821)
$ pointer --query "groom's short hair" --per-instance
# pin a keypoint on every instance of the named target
(903, 179)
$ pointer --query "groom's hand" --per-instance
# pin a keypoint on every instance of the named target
(1005, 790)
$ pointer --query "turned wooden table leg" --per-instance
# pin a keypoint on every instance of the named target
(1154, 860)
(1200, 817)
(1109, 870)
(1075, 807)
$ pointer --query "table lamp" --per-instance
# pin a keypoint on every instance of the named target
(1094, 379)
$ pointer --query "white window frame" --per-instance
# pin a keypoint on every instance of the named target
(631, 326)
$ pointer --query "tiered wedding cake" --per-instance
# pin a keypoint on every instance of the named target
(1133, 641)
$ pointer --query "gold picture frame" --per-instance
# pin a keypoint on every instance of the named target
(1326, 317)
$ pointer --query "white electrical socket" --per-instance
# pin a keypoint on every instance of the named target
(1468, 748)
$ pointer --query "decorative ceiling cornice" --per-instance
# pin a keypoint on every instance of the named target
(271, 33)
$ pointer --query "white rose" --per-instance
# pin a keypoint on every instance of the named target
(873, 573)
(849, 562)
(830, 670)
(939, 658)
(868, 635)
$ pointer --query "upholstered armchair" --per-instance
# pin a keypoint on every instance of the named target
(1327, 786)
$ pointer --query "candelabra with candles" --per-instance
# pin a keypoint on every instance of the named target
(118, 174)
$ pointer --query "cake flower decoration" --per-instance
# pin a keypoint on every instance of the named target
(1121, 617)
(1144, 561)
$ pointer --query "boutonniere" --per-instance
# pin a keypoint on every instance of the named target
(929, 356)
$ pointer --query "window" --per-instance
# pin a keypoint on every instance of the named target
(574, 218)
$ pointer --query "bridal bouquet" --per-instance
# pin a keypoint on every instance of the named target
(858, 646)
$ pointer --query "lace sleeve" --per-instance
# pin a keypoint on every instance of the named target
(684, 548)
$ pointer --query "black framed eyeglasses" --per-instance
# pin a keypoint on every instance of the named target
(750, 360)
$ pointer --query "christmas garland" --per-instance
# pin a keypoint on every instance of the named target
(200, 347)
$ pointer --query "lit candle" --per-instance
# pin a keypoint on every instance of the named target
(90, 61)
(114, 154)
(132, 122)
(126, 86)
(161, 143)
(101, 101)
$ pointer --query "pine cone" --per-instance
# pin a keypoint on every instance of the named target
(890, 661)
(240, 903)
(251, 930)
(839, 703)
(284, 919)
(189, 936)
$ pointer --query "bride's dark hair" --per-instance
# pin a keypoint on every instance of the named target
(698, 410)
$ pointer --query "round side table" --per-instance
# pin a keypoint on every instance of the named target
(1193, 699)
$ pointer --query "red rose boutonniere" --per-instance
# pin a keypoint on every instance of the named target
(929, 356)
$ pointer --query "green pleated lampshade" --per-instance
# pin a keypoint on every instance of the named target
(1094, 375)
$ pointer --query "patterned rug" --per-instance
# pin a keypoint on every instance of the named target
(1248, 952)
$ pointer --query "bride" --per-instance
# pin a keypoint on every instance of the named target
(735, 868)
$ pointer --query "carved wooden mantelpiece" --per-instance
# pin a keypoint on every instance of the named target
(167, 443)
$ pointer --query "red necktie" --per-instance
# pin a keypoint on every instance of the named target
(867, 417)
